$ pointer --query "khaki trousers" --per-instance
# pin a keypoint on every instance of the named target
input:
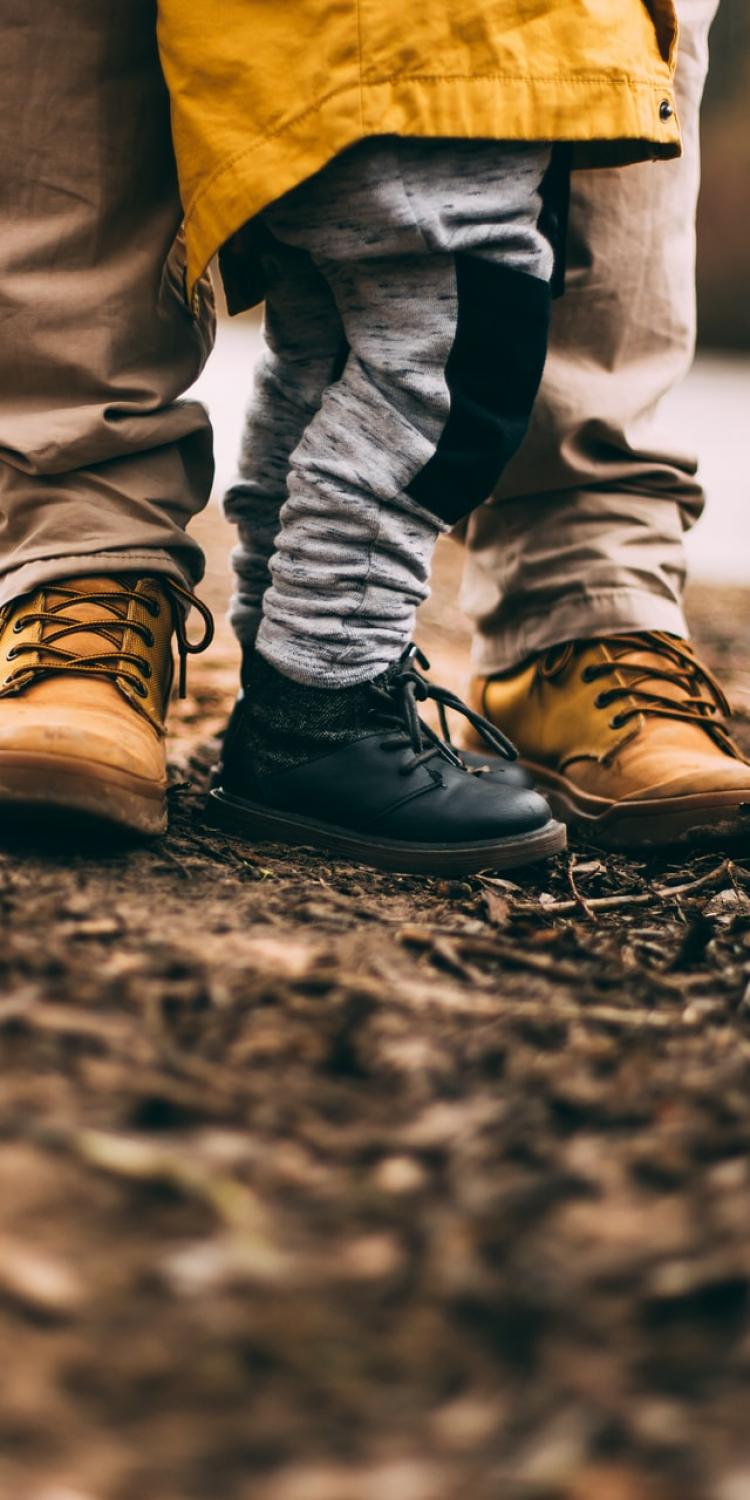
(102, 465)
(585, 533)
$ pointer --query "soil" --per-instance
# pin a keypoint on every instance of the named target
(317, 1184)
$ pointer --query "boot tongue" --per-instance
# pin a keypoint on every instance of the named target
(87, 608)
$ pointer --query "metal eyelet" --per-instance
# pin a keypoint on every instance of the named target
(19, 624)
(12, 654)
(140, 689)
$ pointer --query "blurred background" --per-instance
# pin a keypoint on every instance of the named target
(713, 405)
(724, 220)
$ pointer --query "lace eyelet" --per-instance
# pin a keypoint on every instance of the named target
(149, 637)
(616, 722)
(140, 689)
(147, 670)
(19, 624)
(154, 608)
(600, 700)
(588, 675)
(12, 654)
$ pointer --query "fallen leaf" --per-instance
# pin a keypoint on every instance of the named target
(497, 908)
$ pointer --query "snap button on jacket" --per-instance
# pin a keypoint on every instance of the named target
(265, 92)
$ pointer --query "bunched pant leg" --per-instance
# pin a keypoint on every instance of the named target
(102, 464)
(583, 536)
(305, 347)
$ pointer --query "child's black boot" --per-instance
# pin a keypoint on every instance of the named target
(354, 770)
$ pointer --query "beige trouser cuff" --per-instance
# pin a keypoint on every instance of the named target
(589, 564)
(617, 612)
(26, 579)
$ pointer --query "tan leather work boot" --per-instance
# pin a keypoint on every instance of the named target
(85, 678)
(627, 739)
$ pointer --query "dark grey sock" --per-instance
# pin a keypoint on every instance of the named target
(285, 723)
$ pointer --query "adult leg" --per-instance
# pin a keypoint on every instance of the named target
(101, 464)
(576, 569)
(583, 535)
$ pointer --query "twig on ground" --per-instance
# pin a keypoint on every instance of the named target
(596, 903)
(637, 898)
(710, 878)
(578, 897)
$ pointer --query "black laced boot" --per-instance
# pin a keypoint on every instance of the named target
(357, 772)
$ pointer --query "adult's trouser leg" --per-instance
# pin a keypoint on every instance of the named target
(101, 464)
(584, 534)
(421, 249)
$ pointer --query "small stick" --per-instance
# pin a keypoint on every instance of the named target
(695, 885)
(578, 897)
(640, 898)
(596, 903)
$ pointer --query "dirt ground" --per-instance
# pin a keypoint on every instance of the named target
(322, 1185)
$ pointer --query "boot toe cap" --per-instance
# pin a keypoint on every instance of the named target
(519, 810)
(475, 809)
(699, 776)
(113, 741)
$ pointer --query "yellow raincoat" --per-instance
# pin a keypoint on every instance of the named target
(265, 92)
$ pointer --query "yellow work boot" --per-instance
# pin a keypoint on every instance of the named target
(627, 739)
(85, 678)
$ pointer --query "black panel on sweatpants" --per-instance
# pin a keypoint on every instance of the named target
(493, 374)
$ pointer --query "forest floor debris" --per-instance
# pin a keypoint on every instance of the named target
(320, 1184)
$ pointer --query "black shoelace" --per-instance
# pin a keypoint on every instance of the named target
(399, 696)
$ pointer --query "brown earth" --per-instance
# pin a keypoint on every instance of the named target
(317, 1184)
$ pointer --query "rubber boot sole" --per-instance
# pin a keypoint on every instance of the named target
(651, 823)
(263, 825)
(35, 784)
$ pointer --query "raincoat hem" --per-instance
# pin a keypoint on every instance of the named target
(577, 109)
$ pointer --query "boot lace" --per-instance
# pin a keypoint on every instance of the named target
(701, 702)
(399, 697)
(112, 661)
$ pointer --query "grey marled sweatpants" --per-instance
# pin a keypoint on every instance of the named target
(406, 313)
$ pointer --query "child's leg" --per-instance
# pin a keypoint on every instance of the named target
(305, 349)
(432, 254)
(435, 260)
